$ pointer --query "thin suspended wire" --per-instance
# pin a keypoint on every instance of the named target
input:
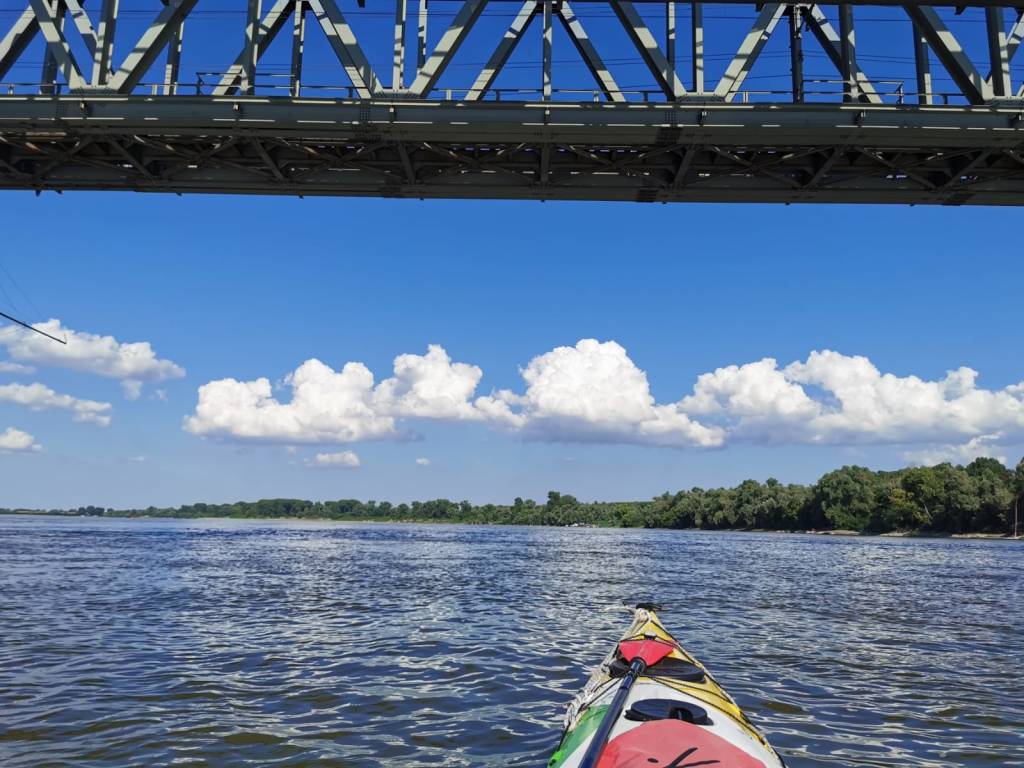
(31, 304)
(23, 324)
(10, 301)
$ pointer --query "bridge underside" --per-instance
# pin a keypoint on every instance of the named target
(558, 151)
(654, 101)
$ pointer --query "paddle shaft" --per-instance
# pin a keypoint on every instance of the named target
(611, 717)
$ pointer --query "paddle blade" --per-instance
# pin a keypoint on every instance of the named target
(651, 651)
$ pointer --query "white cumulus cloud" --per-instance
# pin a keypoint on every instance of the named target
(342, 460)
(16, 368)
(421, 462)
(15, 441)
(345, 406)
(755, 399)
(983, 446)
(40, 397)
(327, 406)
(593, 392)
(839, 399)
(429, 386)
(133, 363)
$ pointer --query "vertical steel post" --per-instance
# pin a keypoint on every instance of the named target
(547, 50)
(848, 53)
(697, 40)
(398, 64)
(421, 37)
(173, 65)
(670, 41)
(298, 43)
(796, 53)
(923, 66)
(997, 52)
(252, 21)
(103, 55)
(48, 77)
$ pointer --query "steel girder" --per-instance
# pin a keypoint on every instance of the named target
(97, 122)
(855, 153)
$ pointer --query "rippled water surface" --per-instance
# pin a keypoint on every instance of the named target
(267, 643)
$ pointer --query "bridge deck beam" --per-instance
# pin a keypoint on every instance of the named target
(583, 151)
(138, 114)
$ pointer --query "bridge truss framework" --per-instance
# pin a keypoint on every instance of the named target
(145, 123)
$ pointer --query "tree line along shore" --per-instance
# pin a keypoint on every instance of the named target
(981, 497)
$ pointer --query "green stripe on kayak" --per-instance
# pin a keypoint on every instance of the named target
(578, 735)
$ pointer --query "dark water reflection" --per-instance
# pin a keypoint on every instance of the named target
(292, 644)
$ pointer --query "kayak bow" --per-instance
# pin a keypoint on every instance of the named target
(650, 704)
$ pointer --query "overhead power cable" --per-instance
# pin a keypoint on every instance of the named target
(20, 290)
(31, 328)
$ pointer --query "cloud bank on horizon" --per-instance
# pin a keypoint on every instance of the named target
(594, 392)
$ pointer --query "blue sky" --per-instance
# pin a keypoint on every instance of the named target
(243, 288)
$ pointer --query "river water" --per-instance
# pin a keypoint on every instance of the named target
(211, 642)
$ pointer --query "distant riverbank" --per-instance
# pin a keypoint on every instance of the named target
(980, 499)
(131, 515)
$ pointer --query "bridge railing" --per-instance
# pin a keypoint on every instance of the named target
(269, 86)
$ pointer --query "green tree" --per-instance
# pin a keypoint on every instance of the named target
(924, 484)
(796, 500)
(848, 497)
(993, 486)
(687, 509)
(961, 499)
(561, 509)
(720, 508)
(749, 501)
(948, 495)
(1018, 494)
(899, 510)
(660, 512)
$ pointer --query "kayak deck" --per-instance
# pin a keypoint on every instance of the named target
(676, 714)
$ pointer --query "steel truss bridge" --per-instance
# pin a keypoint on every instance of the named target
(313, 99)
